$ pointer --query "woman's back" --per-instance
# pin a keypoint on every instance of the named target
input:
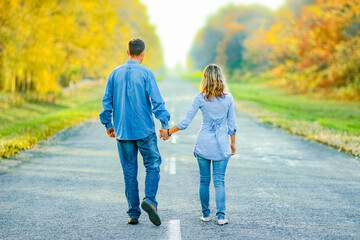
(218, 122)
(215, 108)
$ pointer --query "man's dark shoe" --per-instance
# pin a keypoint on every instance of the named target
(133, 221)
(152, 211)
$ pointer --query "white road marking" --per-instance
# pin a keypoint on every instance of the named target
(170, 165)
(174, 230)
(173, 139)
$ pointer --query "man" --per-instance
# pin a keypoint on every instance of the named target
(130, 91)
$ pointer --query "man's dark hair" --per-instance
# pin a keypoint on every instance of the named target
(136, 46)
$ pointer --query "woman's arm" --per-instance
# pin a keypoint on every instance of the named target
(232, 127)
(185, 122)
(174, 129)
(166, 133)
(232, 144)
(231, 118)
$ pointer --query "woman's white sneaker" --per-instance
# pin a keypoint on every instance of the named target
(205, 219)
(222, 221)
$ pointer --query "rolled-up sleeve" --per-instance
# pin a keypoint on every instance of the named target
(107, 103)
(185, 122)
(231, 119)
(157, 101)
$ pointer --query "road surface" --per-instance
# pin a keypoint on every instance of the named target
(279, 186)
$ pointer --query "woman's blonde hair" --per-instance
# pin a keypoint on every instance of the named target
(213, 82)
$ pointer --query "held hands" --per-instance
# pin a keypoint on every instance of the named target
(110, 132)
(164, 134)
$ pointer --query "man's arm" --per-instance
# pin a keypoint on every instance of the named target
(157, 102)
(107, 103)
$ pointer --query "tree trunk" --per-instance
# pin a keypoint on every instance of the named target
(28, 82)
(13, 84)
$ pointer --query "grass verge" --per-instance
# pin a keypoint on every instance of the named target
(22, 126)
(330, 122)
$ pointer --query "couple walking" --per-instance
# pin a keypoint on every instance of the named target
(130, 99)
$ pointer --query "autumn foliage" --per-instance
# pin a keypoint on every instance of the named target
(45, 45)
(308, 46)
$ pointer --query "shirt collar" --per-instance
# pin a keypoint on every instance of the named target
(133, 61)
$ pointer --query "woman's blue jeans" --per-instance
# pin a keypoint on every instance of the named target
(219, 168)
(128, 153)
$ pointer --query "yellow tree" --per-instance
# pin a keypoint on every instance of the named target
(46, 44)
(318, 48)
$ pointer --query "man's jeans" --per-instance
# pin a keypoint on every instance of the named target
(219, 168)
(128, 152)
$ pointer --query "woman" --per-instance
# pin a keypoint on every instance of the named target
(212, 144)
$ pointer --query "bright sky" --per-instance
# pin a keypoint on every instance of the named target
(177, 22)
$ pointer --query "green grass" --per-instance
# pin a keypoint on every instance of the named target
(22, 126)
(334, 123)
(337, 115)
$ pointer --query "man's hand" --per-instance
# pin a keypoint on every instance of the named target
(110, 132)
(164, 134)
(233, 148)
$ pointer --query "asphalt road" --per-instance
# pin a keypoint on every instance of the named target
(279, 186)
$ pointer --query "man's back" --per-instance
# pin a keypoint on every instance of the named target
(128, 92)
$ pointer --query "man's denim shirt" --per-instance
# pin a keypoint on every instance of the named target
(130, 91)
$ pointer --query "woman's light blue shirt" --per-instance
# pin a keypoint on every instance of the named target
(218, 123)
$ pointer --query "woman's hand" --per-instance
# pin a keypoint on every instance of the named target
(233, 148)
(165, 134)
